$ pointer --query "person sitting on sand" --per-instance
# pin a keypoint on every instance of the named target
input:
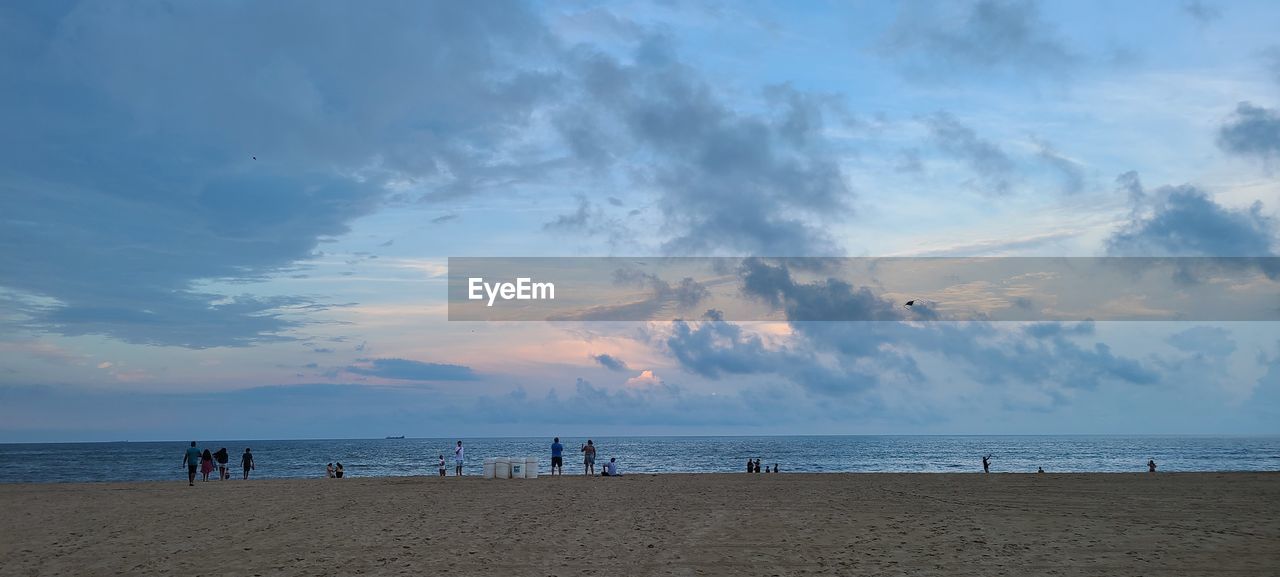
(1040, 470)
(337, 471)
(986, 464)
(328, 470)
(246, 461)
(206, 464)
(775, 467)
(1151, 465)
(611, 468)
(442, 468)
(192, 460)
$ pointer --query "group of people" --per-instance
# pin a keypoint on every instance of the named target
(589, 452)
(986, 465)
(207, 462)
(334, 472)
(754, 466)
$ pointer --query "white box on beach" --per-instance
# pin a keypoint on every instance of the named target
(530, 468)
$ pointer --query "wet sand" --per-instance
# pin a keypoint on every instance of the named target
(722, 524)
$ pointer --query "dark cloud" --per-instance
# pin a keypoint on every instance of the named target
(1251, 131)
(993, 167)
(936, 41)
(728, 181)
(610, 362)
(685, 294)
(407, 370)
(1184, 221)
(848, 358)
(126, 155)
(831, 299)
(444, 218)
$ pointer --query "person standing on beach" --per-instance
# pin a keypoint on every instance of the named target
(751, 466)
(191, 460)
(557, 457)
(206, 464)
(458, 456)
(246, 461)
(337, 471)
(1151, 465)
(222, 457)
(442, 469)
(986, 464)
(589, 458)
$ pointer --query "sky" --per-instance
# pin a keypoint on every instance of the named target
(233, 219)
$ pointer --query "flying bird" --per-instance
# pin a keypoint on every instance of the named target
(255, 158)
(910, 303)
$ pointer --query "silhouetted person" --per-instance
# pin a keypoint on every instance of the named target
(246, 461)
(775, 467)
(1040, 470)
(192, 460)
(757, 465)
(751, 466)
(337, 471)
(222, 457)
(986, 464)
(1151, 465)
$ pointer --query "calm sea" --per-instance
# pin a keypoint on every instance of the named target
(154, 461)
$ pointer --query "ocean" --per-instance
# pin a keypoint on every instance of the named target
(160, 461)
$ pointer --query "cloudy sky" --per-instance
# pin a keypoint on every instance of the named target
(232, 219)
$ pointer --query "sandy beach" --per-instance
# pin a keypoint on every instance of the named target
(725, 524)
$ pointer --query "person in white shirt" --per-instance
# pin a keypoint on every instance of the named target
(458, 454)
(611, 468)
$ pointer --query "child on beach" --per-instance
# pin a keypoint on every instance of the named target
(206, 464)
(442, 465)
(328, 470)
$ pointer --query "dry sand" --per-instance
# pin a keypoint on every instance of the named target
(731, 524)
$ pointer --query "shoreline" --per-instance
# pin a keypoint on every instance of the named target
(237, 480)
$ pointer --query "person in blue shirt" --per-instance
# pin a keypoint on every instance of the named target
(191, 460)
(557, 457)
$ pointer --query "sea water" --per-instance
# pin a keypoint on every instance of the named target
(156, 461)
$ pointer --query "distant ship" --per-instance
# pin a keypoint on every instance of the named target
(400, 437)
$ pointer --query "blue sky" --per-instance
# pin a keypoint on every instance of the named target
(232, 220)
